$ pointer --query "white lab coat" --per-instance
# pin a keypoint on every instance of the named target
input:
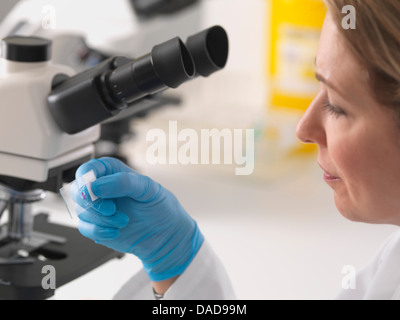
(206, 278)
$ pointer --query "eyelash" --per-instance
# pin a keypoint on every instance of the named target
(335, 111)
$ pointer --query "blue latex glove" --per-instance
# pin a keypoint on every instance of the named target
(137, 215)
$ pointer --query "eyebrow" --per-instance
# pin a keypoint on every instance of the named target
(320, 78)
(327, 83)
(323, 80)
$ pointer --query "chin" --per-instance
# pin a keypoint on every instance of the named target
(349, 211)
(352, 217)
(352, 212)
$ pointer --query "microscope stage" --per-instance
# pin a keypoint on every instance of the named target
(70, 260)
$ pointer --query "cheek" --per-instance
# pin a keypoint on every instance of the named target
(350, 165)
(354, 196)
(348, 148)
(369, 166)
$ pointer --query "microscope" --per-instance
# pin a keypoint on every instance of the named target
(85, 33)
(49, 124)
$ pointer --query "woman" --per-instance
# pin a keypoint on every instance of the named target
(354, 120)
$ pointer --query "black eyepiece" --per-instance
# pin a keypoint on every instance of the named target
(209, 50)
(173, 62)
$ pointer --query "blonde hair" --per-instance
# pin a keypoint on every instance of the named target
(376, 43)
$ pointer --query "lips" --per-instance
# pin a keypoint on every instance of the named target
(328, 177)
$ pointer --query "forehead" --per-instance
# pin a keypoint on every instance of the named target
(335, 61)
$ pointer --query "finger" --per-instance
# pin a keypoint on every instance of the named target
(104, 207)
(102, 167)
(124, 184)
(118, 220)
(97, 233)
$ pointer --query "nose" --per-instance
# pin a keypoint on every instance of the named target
(310, 128)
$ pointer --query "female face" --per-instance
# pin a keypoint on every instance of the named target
(358, 138)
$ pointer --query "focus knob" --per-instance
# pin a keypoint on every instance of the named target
(26, 49)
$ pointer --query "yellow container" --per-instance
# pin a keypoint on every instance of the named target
(295, 31)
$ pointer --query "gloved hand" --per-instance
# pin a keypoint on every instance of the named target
(137, 215)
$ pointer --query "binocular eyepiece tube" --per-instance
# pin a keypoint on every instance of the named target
(168, 65)
(99, 93)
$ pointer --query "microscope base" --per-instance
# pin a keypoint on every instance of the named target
(72, 259)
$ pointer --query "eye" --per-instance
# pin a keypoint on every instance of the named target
(334, 110)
